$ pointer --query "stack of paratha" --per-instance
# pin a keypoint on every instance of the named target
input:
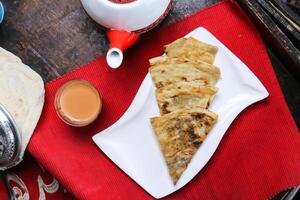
(185, 80)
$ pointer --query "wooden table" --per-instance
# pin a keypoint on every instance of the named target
(55, 37)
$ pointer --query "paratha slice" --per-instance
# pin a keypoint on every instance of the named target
(165, 71)
(172, 99)
(164, 58)
(184, 85)
(192, 49)
(180, 134)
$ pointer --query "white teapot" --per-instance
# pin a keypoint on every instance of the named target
(125, 20)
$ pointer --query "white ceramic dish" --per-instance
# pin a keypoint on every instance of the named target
(129, 16)
(131, 144)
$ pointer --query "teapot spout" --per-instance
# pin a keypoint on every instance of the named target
(119, 41)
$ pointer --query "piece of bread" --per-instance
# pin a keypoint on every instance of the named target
(184, 85)
(180, 134)
(22, 94)
(172, 99)
(163, 59)
(165, 71)
(192, 49)
(6, 56)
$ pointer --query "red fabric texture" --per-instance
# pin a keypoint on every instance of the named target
(3, 192)
(32, 181)
(258, 157)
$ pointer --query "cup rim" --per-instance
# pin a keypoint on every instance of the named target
(65, 118)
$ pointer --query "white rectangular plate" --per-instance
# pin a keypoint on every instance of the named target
(131, 144)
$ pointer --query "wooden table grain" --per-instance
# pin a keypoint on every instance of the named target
(55, 37)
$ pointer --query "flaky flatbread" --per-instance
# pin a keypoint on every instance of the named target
(184, 85)
(173, 99)
(163, 59)
(180, 134)
(165, 71)
(6, 56)
(192, 49)
(22, 94)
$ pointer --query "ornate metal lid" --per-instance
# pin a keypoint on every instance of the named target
(10, 142)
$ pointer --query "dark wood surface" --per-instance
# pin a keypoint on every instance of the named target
(276, 30)
(55, 37)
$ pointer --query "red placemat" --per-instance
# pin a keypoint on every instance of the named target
(29, 180)
(258, 157)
